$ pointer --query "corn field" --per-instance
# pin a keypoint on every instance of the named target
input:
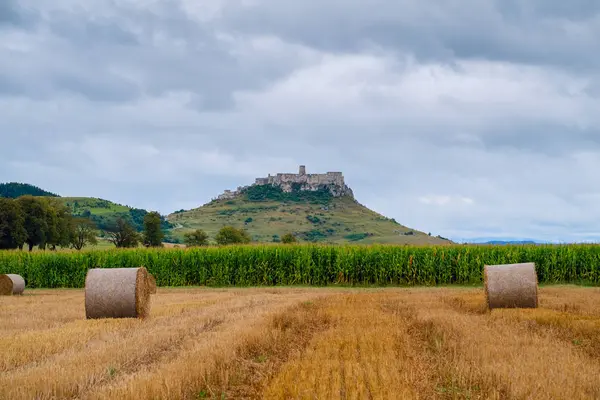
(318, 265)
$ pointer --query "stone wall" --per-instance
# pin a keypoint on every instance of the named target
(310, 182)
(227, 195)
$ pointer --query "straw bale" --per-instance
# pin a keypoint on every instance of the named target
(11, 284)
(511, 285)
(151, 283)
(117, 293)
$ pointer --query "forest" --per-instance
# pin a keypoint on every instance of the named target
(47, 223)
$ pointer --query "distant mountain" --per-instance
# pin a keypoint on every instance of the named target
(502, 241)
(13, 190)
(510, 242)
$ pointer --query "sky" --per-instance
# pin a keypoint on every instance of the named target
(466, 119)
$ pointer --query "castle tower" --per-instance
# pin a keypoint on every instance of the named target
(302, 170)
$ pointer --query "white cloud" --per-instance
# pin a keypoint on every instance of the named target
(460, 121)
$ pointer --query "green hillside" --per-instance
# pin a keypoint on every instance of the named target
(265, 211)
(267, 214)
(104, 212)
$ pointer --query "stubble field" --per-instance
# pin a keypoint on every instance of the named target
(308, 343)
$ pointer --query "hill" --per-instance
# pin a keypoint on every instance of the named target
(267, 213)
(314, 207)
(13, 190)
(104, 212)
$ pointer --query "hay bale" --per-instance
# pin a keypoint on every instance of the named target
(11, 284)
(151, 283)
(511, 285)
(117, 293)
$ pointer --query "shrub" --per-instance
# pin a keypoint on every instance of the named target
(354, 237)
(196, 238)
(230, 235)
(288, 238)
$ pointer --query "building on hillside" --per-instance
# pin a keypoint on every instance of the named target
(329, 178)
(334, 181)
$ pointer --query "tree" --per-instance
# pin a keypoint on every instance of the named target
(65, 226)
(84, 233)
(12, 225)
(231, 235)
(122, 234)
(60, 224)
(153, 234)
(196, 238)
(47, 222)
(13, 190)
(288, 238)
(36, 223)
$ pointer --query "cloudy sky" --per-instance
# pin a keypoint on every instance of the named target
(470, 118)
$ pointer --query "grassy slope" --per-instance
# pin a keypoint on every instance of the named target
(343, 220)
(104, 211)
(343, 217)
(96, 206)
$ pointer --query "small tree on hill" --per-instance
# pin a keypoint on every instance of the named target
(122, 234)
(84, 233)
(230, 235)
(196, 238)
(288, 238)
(153, 234)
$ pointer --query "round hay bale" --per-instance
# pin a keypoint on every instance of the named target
(11, 284)
(117, 293)
(151, 283)
(511, 285)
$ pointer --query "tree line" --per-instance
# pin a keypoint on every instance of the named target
(45, 222)
(15, 189)
(226, 235)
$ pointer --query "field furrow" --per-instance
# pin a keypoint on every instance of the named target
(36, 345)
(130, 346)
(233, 361)
(494, 355)
(367, 354)
(304, 343)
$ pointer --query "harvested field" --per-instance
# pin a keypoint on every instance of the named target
(303, 343)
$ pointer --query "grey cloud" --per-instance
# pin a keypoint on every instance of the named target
(15, 15)
(85, 32)
(517, 31)
(99, 88)
(572, 10)
(491, 129)
(9, 13)
(127, 51)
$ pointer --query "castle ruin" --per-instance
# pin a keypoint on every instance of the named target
(333, 181)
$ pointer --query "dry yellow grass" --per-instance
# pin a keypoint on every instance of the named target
(303, 344)
(368, 353)
(442, 343)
